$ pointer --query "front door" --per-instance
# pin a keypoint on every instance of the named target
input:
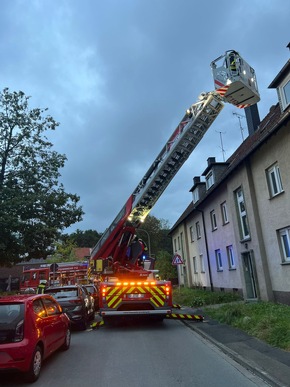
(250, 275)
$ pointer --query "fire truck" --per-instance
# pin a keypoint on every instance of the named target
(66, 273)
(129, 286)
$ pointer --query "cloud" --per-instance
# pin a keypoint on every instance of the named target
(118, 76)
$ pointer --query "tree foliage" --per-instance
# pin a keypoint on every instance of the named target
(164, 265)
(155, 231)
(88, 238)
(34, 206)
(64, 252)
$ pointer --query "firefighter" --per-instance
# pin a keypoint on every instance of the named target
(233, 61)
(42, 287)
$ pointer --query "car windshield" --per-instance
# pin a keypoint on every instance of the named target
(90, 289)
(62, 293)
(11, 319)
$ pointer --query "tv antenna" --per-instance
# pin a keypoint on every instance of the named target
(222, 145)
(240, 116)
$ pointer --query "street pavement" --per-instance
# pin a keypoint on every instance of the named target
(269, 363)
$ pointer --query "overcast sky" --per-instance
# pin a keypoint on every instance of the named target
(119, 74)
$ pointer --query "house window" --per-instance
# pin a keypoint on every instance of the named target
(201, 261)
(224, 211)
(195, 195)
(231, 257)
(209, 180)
(284, 92)
(178, 243)
(195, 265)
(197, 226)
(285, 243)
(218, 257)
(274, 180)
(213, 220)
(175, 248)
(242, 214)
(191, 233)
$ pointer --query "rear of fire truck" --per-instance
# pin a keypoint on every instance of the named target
(128, 285)
(135, 298)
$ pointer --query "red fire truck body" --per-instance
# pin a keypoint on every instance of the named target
(67, 273)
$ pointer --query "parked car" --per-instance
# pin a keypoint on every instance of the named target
(32, 327)
(93, 290)
(76, 302)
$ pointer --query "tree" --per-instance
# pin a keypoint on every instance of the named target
(157, 230)
(88, 238)
(164, 265)
(64, 252)
(34, 206)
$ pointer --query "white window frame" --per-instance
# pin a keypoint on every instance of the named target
(178, 243)
(242, 214)
(209, 179)
(191, 232)
(213, 220)
(195, 196)
(274, 180)
(285, 243)
(284, 92)
(175, 248)
(224, 211)
(231, 257)
(219, 262)
(197, 227)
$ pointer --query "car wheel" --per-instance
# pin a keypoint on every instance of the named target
(92, 315)
(35, 365)
(84, 322)
(66, 343)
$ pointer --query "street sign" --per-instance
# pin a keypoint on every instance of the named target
(177, 260)
(54, 267)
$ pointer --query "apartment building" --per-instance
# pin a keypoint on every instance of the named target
(235, 233)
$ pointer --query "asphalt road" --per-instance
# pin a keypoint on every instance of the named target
(165, 354)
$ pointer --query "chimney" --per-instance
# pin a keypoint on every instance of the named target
(210, 161)
(253, 118)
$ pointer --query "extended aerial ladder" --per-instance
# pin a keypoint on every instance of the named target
(118, 251)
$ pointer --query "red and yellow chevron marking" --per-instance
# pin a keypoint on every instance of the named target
(194, 317)
(116, 294)
(157, 295)
(97, 324)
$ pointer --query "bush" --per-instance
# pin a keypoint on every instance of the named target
(199, 297)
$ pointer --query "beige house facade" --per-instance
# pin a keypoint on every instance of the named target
(235, 234)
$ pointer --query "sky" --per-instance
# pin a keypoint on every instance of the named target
(118, 75)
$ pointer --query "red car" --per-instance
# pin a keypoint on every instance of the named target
(32, 327)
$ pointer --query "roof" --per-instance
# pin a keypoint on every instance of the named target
(19, 297)
(82, 252)
(280, 76)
